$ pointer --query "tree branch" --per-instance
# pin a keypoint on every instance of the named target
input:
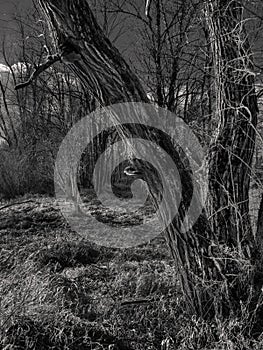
(40, 69)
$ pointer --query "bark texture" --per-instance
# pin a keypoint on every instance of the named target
(82, 44)
(236, 109)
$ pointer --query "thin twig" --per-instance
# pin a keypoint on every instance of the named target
(137, 302)
(15, 203)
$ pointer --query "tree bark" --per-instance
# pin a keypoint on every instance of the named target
(105, 73)
(92, 57)
(231, 152)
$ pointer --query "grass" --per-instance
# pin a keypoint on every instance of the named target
(58, 291)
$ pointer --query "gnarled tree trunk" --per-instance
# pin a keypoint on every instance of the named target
(105, 73)
(92, 57)
(236, 109)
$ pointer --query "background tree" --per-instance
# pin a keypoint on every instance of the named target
(35, 119)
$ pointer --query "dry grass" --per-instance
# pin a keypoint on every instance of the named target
(60, 292)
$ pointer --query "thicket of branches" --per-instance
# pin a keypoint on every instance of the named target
(34, 120)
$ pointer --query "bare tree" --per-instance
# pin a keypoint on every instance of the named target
(35, 119)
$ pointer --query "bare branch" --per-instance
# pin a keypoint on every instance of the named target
(40, 69)
(16, 203)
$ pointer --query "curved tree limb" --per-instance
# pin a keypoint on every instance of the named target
(40, 69)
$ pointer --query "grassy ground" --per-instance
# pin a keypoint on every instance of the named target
(57, 291)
